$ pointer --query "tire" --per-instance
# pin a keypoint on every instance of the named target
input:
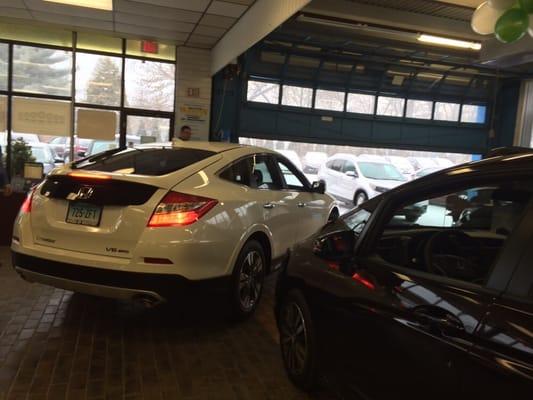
(297, 335)
(360, 198)
(247, 280)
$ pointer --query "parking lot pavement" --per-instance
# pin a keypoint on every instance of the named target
(56, 345)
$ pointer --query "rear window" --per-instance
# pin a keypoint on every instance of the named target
(149, 161)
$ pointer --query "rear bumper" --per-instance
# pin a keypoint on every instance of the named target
(110, 283)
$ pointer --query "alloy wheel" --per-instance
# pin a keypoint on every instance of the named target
(251, 280)
(293, 337)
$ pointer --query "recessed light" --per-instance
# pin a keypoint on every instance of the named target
(98, 4)
(443, 41)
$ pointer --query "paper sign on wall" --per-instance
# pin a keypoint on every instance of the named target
(96, 124)
(42, 117)
(3, 113)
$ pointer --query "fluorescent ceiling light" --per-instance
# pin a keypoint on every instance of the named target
(443, 41)
(98, 4)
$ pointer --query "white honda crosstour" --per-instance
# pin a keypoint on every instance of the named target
(149, 222)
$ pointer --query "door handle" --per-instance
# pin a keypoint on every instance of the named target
(439, 321)
(269, 206)
(301, 205)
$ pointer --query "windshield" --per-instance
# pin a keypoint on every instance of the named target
(380, 171)
(149, 161)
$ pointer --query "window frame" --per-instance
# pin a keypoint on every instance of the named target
(499, 275)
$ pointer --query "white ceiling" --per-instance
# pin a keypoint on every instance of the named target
(195, 23)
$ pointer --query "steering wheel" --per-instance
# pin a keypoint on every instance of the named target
(452, 253)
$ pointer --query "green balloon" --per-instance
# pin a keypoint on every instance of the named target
(527, 5)
(512, 25)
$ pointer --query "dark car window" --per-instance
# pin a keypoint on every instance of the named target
(147, 161)
(348, 166)
(239, 172)
(264, 174)
(459, 235)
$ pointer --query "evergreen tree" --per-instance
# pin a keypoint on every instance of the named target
(104, 86)
(42, 70)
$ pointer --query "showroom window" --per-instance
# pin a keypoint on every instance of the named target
(41, 70)
(447, 111)
(360, 103)
(329, 100)
(473, 114)
(297, 96)
(98, 79)
(263, 92)
(149, 85)
(4, 55)
(390, 106)
(419, 109)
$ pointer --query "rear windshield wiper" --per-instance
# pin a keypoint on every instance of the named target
(97, 157)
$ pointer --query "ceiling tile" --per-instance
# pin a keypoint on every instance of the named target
(217, 20)
(84, 12)
(73, 21)
(202, 39)
(12, 4)
(157, 23)
(15, 12)
(196, 5)
(199, 45)
(226, 9)
(146, 32)
(206, 30)
(245, 2)
(147, 10)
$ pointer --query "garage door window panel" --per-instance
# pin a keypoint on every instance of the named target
(447, 112)
(473, 114)
(296, 96)
(263, 92)
(360, 103)
(390, 106)
(329, 100)
(458, 235)
(419, 109)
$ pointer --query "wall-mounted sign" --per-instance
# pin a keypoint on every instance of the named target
(3, 113)
(197, 113)
(193, 92)
(149, 46)
(97, 124)
(42, 117)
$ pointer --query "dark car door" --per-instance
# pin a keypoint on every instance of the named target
(502, 359)
(405, 329)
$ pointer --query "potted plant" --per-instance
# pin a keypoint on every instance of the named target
(20, 155)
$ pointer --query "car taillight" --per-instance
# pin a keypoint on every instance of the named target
(180, 209)
(26, 206)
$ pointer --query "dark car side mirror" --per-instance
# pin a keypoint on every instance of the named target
(319, 187)
(351, 174)
(336, 246)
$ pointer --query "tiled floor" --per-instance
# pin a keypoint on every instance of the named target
(57, 345)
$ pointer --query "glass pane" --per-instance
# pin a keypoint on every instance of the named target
(419, 109)
(164, 51)
(98, 79)
(297, 96)
(3, 65)
(390, 106)
(36, 34)
(86, 146)
(263, 92)
(38, 70)
(474, 114)
(147, 129)
(150, 85)
(360, 103)
(447, 111)
(329, 100)
(3, 139)
(91, 41)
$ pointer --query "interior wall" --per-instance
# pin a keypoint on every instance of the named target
(193, 91)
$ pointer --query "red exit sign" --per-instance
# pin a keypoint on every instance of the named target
(148, 46)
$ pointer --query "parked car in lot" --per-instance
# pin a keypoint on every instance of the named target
(403, 165)
(27, 137)
(293, 157)
(61, 146)
(419, 163)
(144, 223)
(99, 146)
(353, 179)
(437, 308)
(44, 154)
(312, 162)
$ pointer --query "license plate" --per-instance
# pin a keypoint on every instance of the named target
(84, 214)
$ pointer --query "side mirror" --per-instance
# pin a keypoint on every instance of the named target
(351, 174)
(319, 187)
(81, 154)
(335, 246)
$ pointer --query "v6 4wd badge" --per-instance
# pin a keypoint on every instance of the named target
(116, 251)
